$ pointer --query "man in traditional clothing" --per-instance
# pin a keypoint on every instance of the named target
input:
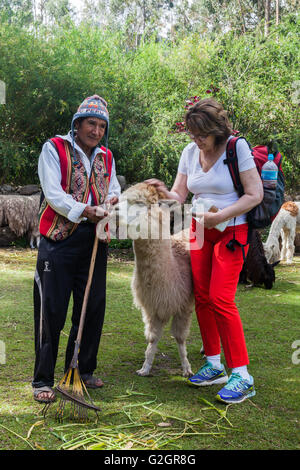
(77, 177)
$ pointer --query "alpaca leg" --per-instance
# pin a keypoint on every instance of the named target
(284, 237)
(153, 333)
(31, 242)
(243, 274)
(289, 255)
(275, 252)
(290, 245)
(180, 331)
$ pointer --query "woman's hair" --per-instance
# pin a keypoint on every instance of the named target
(208, 117)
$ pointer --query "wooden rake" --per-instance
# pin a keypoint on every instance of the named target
(71, 387)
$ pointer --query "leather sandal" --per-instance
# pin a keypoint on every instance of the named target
(45, 389)
(91, 382)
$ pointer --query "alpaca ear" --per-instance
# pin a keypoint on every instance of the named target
(275, 264)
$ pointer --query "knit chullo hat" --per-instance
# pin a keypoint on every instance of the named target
(93, 106)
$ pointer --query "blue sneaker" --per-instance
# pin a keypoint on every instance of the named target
(237, 389)
(208, 375)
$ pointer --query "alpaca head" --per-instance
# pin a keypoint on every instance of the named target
(266, 275)
(272, 251)
(144, 213)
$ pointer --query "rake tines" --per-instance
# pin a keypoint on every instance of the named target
(72, 388)
(60, 409)
(45, 409)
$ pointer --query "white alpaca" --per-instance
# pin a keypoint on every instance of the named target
(162, 280)
(20, 213)
(284, 226)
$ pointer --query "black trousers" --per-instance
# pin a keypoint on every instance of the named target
(62, 269)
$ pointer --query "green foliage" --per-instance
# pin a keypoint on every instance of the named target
(17, 11)
(48, 73)
(18, 162)
(120, 244)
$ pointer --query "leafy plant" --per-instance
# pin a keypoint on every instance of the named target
(48, 73)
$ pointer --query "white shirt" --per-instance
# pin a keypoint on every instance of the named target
(215, 184)
(50, 177)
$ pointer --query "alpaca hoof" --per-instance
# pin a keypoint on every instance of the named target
(187, 374)
(187, 371)
(142, 372)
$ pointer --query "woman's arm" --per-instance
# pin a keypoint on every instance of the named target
(179, 190)
(253, 195)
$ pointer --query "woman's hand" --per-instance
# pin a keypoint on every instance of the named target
(160, 185)
(209, 219)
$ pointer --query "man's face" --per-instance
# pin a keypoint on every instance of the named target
(90, 131)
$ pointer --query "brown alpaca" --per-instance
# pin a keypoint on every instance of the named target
(291, 207)
(162, 279)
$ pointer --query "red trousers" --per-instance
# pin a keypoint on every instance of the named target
(216, 272)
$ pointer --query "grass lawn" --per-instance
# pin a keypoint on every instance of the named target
(160, 411)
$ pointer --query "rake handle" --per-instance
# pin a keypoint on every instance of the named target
(85, 301)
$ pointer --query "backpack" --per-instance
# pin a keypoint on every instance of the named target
(264, 213)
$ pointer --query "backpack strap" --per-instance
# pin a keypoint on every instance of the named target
(231, 161)
(233, 165)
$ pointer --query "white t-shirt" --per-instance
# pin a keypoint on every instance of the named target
(215, 184)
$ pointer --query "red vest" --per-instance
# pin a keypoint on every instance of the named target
(75, 181)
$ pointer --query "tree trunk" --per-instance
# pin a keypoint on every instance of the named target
(144, 17)
(267, 16)
(242, 16)
(277, 11)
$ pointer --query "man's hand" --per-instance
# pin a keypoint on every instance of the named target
(114, 200)
(94, 213)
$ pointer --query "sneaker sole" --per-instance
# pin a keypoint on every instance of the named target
(239, 400)
(221, 380)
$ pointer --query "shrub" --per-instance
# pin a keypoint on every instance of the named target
(48, 74)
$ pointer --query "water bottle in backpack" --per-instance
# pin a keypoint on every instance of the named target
(269, 174)
(263, 214)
